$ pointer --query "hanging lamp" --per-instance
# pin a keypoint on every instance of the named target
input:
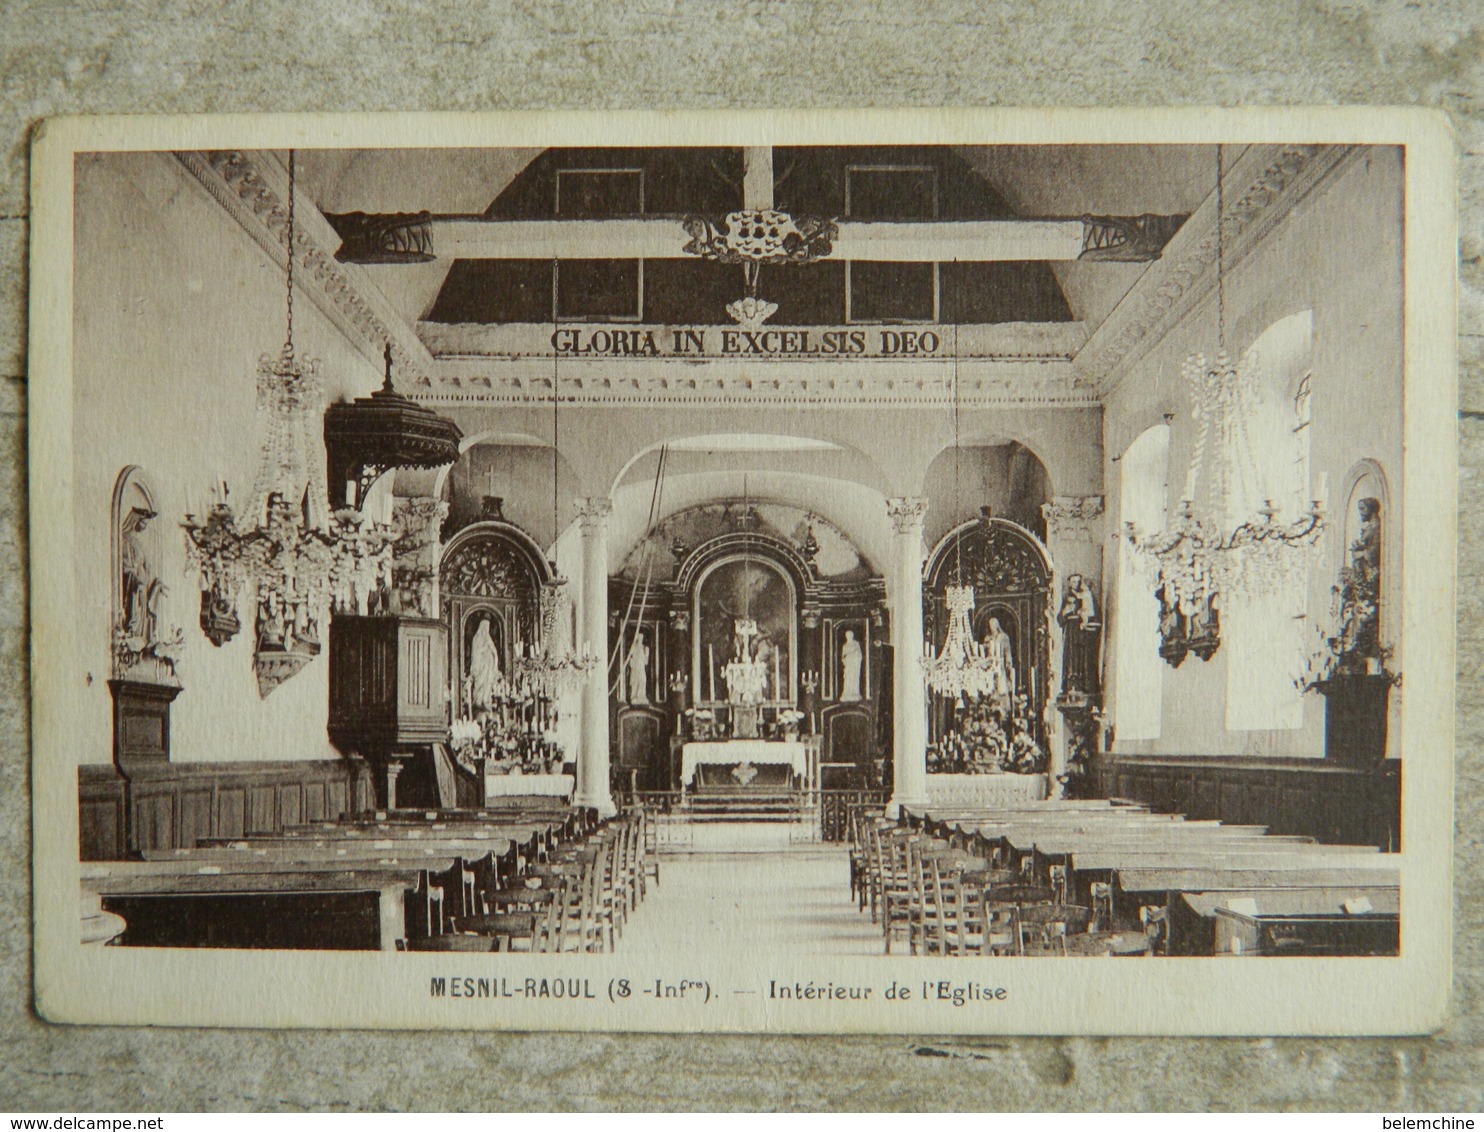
(961, 667)
(1201, 555)
(551, 668)
(297, 558)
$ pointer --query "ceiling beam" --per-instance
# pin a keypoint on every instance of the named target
(896, 241)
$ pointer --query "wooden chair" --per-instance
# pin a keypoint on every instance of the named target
(921, 894)
(957, 924)
(894, 886)
(1021, 894)
(1045, 927)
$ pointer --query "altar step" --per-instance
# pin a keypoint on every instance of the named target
(720, 804)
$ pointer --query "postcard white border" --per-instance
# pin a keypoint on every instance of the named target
(1404, 995)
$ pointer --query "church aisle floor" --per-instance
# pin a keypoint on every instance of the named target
(792, 902)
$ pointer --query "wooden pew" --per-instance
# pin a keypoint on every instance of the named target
(1194, 915)
(363, 909)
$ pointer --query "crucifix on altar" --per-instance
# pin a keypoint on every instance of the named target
(747, 680)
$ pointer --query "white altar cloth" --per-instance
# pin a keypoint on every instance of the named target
(512, 785)
(987, 790)
(755, 751)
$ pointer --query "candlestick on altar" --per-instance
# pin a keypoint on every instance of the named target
(711, 672)
(777, 687)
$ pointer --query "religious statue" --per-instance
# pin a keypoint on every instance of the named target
(1081, 628)
(1359, 591)
(141, 589)
(638, 667)
(484, 668)
(850, 668)
(1000, 652)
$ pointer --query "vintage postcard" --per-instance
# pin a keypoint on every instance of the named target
(975, 572)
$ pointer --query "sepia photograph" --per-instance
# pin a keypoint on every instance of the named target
(830, 572)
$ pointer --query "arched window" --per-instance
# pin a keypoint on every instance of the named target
(1138, 670)
(1264, 635)
(1302, 419)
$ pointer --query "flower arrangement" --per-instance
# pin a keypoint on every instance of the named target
(789, 720)
(510, 749)
(702, 721)
(985, 742)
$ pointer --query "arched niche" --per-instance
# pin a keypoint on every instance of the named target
(1010, 570)
(734, 579)
(142, 642)
(490, 571)
(138, 619)
(1367, 480)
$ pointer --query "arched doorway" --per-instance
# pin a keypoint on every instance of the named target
(1011, 575)
(490, 575)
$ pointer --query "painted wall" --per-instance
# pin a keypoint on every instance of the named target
(1339, 254)
(174, 303)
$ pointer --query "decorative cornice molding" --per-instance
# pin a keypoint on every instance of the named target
(254, 194)
(689, 384)
(1277, 179)
(1070, 518)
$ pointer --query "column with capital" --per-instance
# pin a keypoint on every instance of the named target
(909, 721)
(593, 788)
(1074, 541)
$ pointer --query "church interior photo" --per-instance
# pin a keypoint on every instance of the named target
(998, 547)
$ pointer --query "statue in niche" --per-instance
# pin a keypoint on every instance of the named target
(484, 668)
(1359, 593)
(638, 668)
(850, 668)
(1081, 630)
(141, 588)
(1001, 655)
(144, 647)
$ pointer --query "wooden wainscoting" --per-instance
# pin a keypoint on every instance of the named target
(174, 805)
(1309, 797)
(102, 813)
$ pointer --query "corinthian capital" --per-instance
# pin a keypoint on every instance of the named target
(906, 513)
(1070, 518)
(594, 512)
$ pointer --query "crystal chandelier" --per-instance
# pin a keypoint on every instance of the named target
(1200, 554)
(550, 668)
(298, 560)
(962, 667)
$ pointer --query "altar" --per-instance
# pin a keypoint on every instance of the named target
(523, 785)
(794, 755)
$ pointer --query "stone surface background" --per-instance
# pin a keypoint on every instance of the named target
(119, 56)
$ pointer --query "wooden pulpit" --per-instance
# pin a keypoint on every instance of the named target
(388, 690)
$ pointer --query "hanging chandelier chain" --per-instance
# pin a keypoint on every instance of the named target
(1220, 250)
(289, 342)
(958, 499)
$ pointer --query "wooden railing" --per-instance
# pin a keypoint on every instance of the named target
(822, 815)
